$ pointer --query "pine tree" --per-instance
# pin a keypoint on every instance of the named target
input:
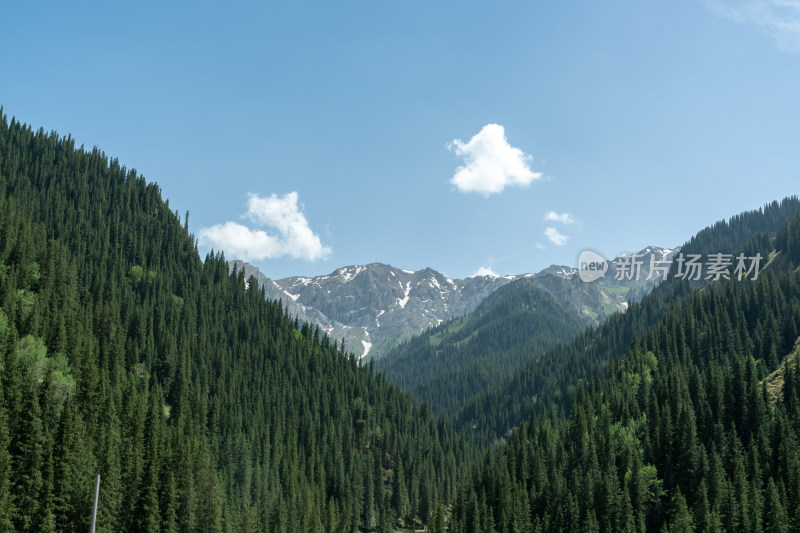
(6, 497)
(400, 503)
(437, 519)
(775, 517)
(682, 521)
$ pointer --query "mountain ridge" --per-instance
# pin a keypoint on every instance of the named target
(376, 306)
(449, 364)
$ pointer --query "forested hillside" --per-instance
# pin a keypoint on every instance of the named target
(684, 435)
(451, 363)
(203, 406)
(206, 407)
(549, 381)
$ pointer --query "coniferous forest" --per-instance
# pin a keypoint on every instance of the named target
(207, 408)
(695, 429)
(203, 406)
(464, 357)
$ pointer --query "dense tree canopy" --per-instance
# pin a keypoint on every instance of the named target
(695, 429)
(206, 407)
(203, 406)
(451, 363)
(549, 380)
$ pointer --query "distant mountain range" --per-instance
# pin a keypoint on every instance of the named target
(374, 307)
(451, 363)
(203, 407)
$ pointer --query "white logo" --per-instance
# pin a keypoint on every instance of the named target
(591, 266)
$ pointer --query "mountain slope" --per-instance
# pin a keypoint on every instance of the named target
(375, 306)
(683, 435)
(450, 364)
(197, 400)
(549, 381)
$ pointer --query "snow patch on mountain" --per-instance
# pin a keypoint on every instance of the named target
(367, 347)
(404, 300)
(349, 273)
(566, 272)
(371, 305)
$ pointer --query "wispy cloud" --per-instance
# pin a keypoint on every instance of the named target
(779, 18)
(484, 271)
(555, 236)
(564, 218)
(290, 234)
(490, 163)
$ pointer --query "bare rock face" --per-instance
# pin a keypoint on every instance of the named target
(374, 307)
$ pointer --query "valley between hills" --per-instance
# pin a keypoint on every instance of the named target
(211, 398)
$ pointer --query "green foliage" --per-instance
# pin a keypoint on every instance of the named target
(457, 360)
(32, 355)
(178, 302)
(136, 273)
(207, 408)
(681, 436)
(550, 380)
(55, 371)
(202, 405)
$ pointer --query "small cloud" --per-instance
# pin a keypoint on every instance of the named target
(490, 163)
(484, 271)
(290, 235)
(778, 18)
(564, 218)
(555, 237)
(540, 246)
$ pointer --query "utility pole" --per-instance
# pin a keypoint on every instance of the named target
(96, 497)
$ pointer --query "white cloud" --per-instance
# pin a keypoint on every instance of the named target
(290, 235)
(490, 163)
(484, 271)
(540, 246)
(555, 237)
(564, 218)
(779, 18)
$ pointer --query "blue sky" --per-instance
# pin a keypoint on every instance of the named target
(312, 135)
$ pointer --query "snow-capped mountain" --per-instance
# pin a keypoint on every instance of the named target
(376, 306)
(627, 278)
